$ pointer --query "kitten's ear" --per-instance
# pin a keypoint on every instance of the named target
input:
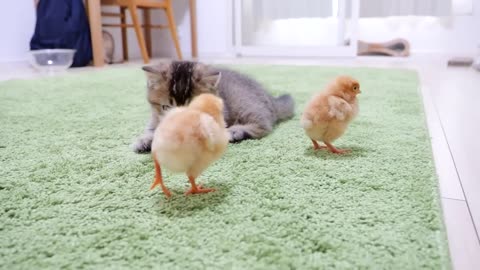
(160, 70)
(212, 79)
(207, 75)
(149, 69)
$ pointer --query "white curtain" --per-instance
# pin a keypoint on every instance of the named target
(270, 22)
(259, 15)
(384, 8)
(290, 9)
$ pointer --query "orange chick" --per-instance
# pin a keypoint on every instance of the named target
(327, 115)
(189, 139)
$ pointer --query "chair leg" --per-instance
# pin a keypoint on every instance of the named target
(138, 31)
(124, 34)
(193, 27)
(173, 30)
(148, 31)
(95, 21)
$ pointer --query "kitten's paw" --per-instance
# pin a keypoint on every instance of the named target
(143, 144)
(238, 134)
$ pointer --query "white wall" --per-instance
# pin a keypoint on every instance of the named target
(17, 22)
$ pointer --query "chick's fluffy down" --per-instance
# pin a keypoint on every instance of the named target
(328, 114)
(189, 140)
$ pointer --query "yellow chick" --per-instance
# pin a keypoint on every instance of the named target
(327, 115)
(189, 139)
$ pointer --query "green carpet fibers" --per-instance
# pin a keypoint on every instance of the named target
(74, 195)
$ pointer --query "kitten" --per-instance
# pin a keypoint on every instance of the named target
(250, 112)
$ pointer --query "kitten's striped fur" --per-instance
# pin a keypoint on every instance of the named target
(249, 112)
(181, 86)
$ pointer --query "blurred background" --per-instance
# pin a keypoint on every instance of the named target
(230, 28)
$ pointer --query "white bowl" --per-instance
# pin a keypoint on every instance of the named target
(52, 60)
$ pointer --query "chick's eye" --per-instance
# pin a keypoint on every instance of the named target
(355, 87)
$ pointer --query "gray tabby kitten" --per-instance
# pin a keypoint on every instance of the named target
(250, 112)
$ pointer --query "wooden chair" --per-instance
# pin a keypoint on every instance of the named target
(132, 6)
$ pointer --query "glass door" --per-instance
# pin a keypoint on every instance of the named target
(295, 27)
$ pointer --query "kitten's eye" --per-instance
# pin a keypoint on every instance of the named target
(155, 104)
(166, 107)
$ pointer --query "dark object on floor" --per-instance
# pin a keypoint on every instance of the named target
(63, 25)
(396, 47)
(460, 61)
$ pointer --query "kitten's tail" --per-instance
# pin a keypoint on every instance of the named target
(285, 107)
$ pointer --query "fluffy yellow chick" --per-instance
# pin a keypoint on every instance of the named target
(189, 139)
(327, 115)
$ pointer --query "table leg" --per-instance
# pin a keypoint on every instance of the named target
(147, 22)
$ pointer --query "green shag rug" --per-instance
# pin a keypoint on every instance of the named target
(74, 195)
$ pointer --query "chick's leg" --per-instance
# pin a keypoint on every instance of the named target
(335, 150)
(197, 189)
(316, 146)
(158, 179)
